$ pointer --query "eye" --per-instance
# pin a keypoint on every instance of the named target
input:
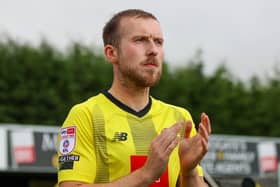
(140, 39)
(158, 42)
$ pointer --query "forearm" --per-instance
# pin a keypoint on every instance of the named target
(191, 181)
(138, 178)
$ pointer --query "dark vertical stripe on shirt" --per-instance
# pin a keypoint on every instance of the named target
(102, 169)
(180, 118)
(143, 132)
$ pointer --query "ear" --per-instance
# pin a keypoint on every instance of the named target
(111, 54)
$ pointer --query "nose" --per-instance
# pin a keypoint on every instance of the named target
(152, 49)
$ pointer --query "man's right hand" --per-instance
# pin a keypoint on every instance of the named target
(160, 150)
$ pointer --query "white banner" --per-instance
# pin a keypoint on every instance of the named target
(3, 149)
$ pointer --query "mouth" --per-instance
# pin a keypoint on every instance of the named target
(151, 63)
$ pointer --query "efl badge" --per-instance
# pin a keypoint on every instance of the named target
(67, 140)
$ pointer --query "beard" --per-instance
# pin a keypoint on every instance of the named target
(139, 76)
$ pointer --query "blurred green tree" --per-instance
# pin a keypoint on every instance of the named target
(38, 85)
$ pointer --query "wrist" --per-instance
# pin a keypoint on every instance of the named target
(145, 176)
(191, 178)
(187, 174)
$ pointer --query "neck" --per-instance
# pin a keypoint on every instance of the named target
(135, 98)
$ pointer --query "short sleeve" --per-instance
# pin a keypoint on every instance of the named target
(76, 153)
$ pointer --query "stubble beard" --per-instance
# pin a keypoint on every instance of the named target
(141, 78)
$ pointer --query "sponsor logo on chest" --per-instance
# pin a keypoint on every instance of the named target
(120, 136)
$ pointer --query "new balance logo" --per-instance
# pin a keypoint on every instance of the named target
(120, 136)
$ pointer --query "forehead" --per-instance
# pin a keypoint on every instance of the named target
(133, 26)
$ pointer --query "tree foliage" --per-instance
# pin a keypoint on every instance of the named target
(38, 85)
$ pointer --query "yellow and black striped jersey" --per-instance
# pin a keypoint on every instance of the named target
(102, 139)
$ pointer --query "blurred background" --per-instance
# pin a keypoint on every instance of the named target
(222, 58)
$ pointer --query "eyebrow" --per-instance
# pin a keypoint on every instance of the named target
(148, 36)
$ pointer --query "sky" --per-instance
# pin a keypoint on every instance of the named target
(242, 34)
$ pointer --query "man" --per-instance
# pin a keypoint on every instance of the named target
(124, 137)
